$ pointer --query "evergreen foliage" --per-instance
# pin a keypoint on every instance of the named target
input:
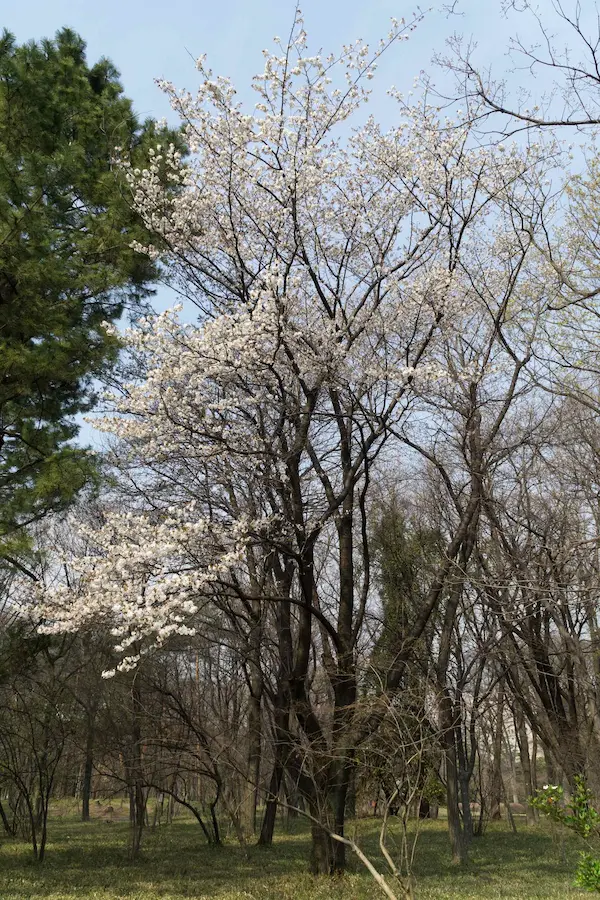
(66, 265)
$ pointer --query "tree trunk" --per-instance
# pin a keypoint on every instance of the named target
(43, 833)
(514, 791)
(254, 716)
(457, 840)
(268, 823)
(86, 788)
(351, 796)
(137, 800)
(496, 773)
(282, 752)
(339, 808)
(4, 819)
(254, 758)
(465, 772)
(322, 860)
(526, 767)
(552, 775)
(465, 798)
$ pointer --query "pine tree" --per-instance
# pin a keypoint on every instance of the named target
(66, 264)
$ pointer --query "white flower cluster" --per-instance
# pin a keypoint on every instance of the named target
(330, 272)
(143, 577)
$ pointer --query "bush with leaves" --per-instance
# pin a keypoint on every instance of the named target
(581, 816)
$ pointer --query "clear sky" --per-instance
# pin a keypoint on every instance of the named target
(148, 39)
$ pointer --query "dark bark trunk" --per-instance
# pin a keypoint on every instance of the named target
(268, 824)
(322, 860)
(466, 764)
(457, 841)
(4, 819)
(465, 798)
(32, 827)
(88, 768)
(344, 681)
(254, 715)
(254, 756)
(215, 821)
(43, 834)
(448, 726)
(137, 800)
(351, 796)
(339, 810)
(496, 773)
(281, 733)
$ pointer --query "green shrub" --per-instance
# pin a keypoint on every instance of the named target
(580, 816)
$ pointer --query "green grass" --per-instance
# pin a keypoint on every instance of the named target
(90, 861)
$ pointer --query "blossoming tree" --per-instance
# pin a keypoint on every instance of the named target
(332, 268)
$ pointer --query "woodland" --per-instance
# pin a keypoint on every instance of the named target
(323, 597)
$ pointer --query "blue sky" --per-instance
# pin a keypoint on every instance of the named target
(148, 39)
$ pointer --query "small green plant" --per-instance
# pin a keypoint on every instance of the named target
(580, 816)
(433, 789)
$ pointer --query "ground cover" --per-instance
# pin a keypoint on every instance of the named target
(90, 862)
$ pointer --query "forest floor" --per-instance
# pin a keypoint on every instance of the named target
(89, 862)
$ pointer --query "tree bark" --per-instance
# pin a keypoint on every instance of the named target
(88, 768)
(526, 767)
(137, 800)
(457, 839)
(4, 819)
(496, 772)
(322, 859)
(270, 814)
(254, 756)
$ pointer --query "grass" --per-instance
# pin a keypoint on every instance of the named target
(89, 862)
